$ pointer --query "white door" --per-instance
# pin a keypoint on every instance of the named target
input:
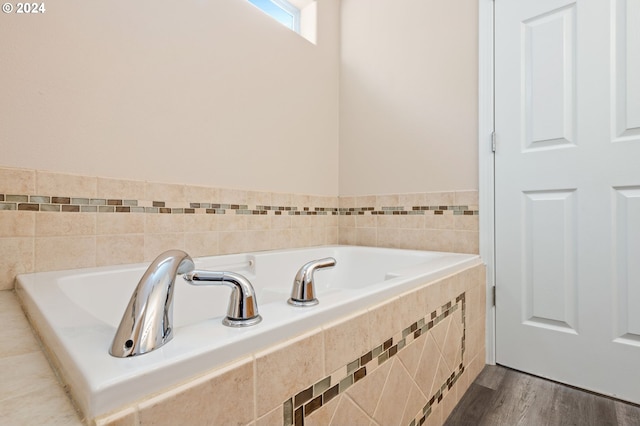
(567, 164)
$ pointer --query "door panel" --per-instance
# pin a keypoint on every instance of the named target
(567, 121)
(549, 78)
(549, 297)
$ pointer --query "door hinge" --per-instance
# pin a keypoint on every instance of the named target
(493, 141)
(493, 295)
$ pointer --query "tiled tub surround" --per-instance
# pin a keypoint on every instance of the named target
(53, 221)
(77, 313)
(330, 376)
(437, 221)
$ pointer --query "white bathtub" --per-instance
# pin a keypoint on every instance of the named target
(77, 313)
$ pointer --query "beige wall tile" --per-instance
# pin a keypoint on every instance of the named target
(435, 419)
(119, 249)
(411, 200)
(163, 223)
(348, 202)
(385, 320)
(439, 198)
(366, 221)
(426, 373)
(387, 201)
(414, 305)
(410, 355)
(258, 222)
(155, 244)
(280, 238)
(331, 235)
(439, 240)
(17, 181)
(394, 395)
(233, 196)
(348, 413)
(17, 338)
(200, 222)
(280, 222)
(347, 221)
(58, 253)
(300, 201)
(164, 192)
(445, 221)
(65, 224)
(449, 401)
(272, 418)
(47, 406)
(258, 198)
(280, 199)
(407, 221)
(23, 374)
(365, 201)
(366, 393)
(466, 198)
(467, 242)
(120, 189)
(232, 222)
(17, 224)
(346, 340)
(404, 238)
(347, 236)
(474, 339)
(415, 401)
(54, 184)
(201, 243)
(302, 221)
(214, 397)
(278, 370)
(367, 237)
(119, 223)
(320, 417)
(466, 223)
(17, 256)
(201, 194)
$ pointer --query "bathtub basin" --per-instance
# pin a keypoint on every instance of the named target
(77, 312)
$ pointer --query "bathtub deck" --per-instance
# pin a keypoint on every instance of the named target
(30, 393)
(505, 397)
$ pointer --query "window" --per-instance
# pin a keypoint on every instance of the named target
(282, 11)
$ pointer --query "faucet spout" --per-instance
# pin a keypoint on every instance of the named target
(147, 323)
(304, 292)
(243, 305)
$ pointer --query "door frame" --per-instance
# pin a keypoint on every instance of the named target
(486, 166)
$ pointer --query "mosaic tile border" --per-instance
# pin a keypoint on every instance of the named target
(307, 401)
(44, 203)
(415, 210)
(68, 204)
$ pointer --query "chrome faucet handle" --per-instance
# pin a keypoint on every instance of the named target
(243, 305)
(147, 322)
(303, 292)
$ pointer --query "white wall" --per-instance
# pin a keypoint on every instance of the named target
(408, 102)
(196, 92)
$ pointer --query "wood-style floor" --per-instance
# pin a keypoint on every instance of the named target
(501, 396)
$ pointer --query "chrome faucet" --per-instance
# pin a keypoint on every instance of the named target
(243, 306)
(303, 292)
(147, 323)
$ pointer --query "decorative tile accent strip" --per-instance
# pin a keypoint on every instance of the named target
(44, 203)
(415, 210)
(305, 402)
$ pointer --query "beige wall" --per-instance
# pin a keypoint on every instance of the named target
(408, 100)
(193, 92)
